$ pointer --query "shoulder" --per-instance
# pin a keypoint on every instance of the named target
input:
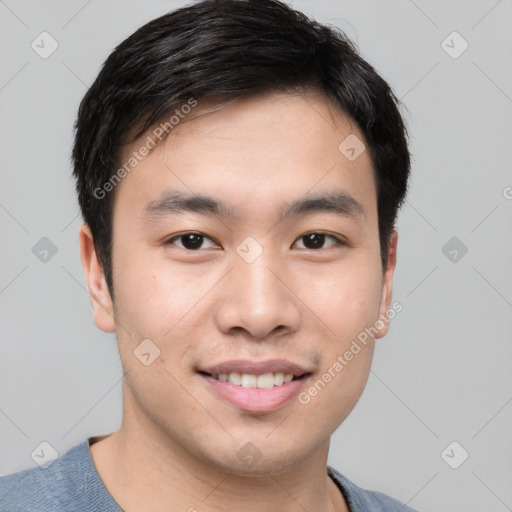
(362, 500)
(61, 484)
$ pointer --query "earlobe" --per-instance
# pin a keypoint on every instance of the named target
(387, 287)
(99, 294)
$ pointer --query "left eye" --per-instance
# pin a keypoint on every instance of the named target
(316, 240)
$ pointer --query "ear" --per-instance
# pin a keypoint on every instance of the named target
(101, 302)
(387, 286)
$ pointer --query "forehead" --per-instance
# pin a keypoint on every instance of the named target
(254, 150)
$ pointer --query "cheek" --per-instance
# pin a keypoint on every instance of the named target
(347, 301)
(153, 295)
(334, 391)
(345, 297)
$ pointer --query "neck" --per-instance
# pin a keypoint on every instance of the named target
(144, 471)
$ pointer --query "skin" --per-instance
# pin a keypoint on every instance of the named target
(178, 442)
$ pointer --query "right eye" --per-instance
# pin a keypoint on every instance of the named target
(190, 241)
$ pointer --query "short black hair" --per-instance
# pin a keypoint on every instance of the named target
(229, 49)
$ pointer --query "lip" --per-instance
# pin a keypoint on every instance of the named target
(255, 400)
(257, 367)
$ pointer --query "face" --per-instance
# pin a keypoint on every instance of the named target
(275, 272)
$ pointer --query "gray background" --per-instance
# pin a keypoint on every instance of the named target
(442, 373)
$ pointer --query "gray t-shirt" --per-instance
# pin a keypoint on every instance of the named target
(71, 484)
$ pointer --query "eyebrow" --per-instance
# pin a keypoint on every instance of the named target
(174, 202)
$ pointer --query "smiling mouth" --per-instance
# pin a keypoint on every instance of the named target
(261, 381)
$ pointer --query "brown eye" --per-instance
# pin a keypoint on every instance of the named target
(189, 241)
(317, 240)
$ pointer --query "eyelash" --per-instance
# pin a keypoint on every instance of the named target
(338, 241)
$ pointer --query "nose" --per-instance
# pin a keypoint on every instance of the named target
(257, 300)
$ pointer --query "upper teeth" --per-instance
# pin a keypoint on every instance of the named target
(247, 380)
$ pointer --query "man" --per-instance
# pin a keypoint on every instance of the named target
(239, 169)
